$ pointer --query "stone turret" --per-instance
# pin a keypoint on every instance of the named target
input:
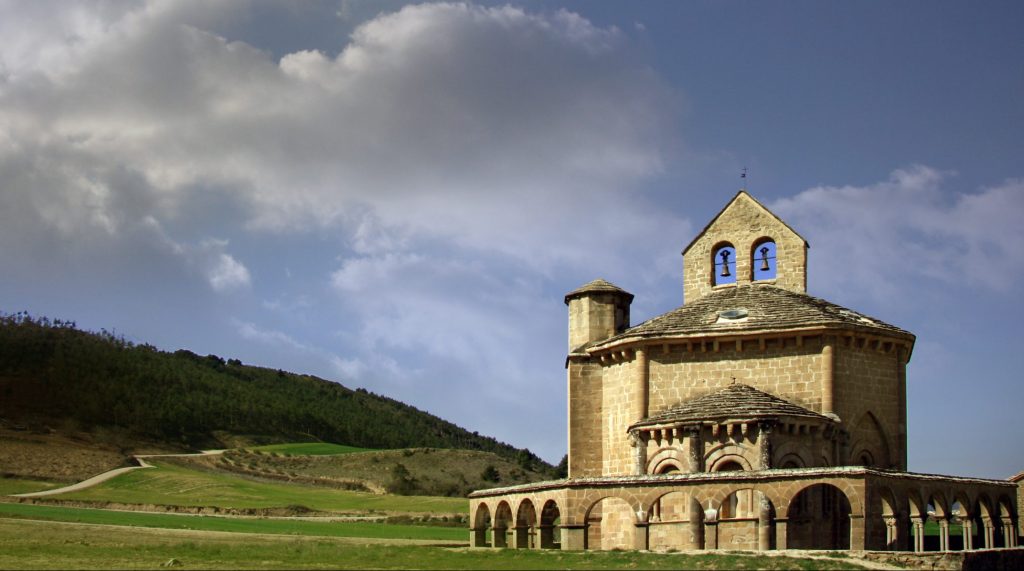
(597, 311)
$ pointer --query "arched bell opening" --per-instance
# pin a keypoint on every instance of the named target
(763, 260)
(723, 264)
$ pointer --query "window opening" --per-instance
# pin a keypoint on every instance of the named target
(725, 265)
(764, 262)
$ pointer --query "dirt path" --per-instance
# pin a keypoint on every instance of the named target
(100, 478)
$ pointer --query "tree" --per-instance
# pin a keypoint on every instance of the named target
(490, 474)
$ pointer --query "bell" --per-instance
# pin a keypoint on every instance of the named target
(764, 260)
(725, 264)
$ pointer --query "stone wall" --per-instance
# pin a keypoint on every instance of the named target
(783, 369)
(868, 401)
(585, 418)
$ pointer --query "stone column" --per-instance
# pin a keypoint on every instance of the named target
(918, 525)
(710, 534)
(694, 513)
(901, 384)
(764, 525)
(574, 537)
(521, 537)
(640, 536)
(639, 444)
(780, 533)
(764, 437)
(478, 537)
(944, 533)
(694, 446)
(638, 396)
(1009, 532)
(827, 376)
(891, 533)
(988, 529)
(857, 535)
(968, 534)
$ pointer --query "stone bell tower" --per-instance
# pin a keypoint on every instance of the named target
(752, 238)
(597, 311)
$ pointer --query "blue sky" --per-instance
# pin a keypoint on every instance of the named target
(397, 197)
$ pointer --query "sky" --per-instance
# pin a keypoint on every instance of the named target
(397, 197)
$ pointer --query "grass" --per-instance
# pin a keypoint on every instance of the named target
(47, 545)
(10, 486)
(274, 526)
(170, 484)
(309, 449)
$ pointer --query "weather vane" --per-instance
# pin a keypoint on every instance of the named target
(743, 175)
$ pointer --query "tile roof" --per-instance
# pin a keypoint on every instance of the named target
(766, 307)
(737, 401)
(598, 285)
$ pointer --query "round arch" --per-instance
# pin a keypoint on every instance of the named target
(502, 523)
(819, 518)
(763, 259)
(667, 457)
(550, 520)
(481, 524)
(723, 264)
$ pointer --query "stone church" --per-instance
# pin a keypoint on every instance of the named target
(754, 416)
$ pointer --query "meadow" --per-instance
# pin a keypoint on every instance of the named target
(48, 545)
(172, 485)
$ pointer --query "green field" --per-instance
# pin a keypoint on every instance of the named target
(10, 486)
(275, 526)
(169, 484)
(48, 545)
(309, 449)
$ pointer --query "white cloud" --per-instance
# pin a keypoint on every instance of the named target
(228, 274)
(878, 239)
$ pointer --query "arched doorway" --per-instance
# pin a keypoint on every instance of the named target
(609, 525)
(481, 525)
(525, 533)
(819, 518)
(502, 521)
(550, 520)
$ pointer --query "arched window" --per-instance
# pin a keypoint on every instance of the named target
(724, 265)
(762, 259)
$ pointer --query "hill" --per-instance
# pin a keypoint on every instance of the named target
(54, 376)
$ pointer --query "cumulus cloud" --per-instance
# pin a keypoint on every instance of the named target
(227, 274)
(909, 230)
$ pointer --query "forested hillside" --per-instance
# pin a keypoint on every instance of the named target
(50, 371)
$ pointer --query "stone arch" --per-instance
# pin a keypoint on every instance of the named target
(675, 521)
(722, 274)
(937, 509)
(481, 524)
(982, 522)
(502, 522)
(763, 264)
(550, 520)
(962, 513)
(1006, 533)
(746, 518)
(869, 442)
(791, 453)
(891, 530)
(670, 456)
(609, 524)
(526, 525)
(819, 518)
(720, 455)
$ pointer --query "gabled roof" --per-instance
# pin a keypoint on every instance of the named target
(768, 308)
(739, 194)
(735, 402)
(597, 286)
